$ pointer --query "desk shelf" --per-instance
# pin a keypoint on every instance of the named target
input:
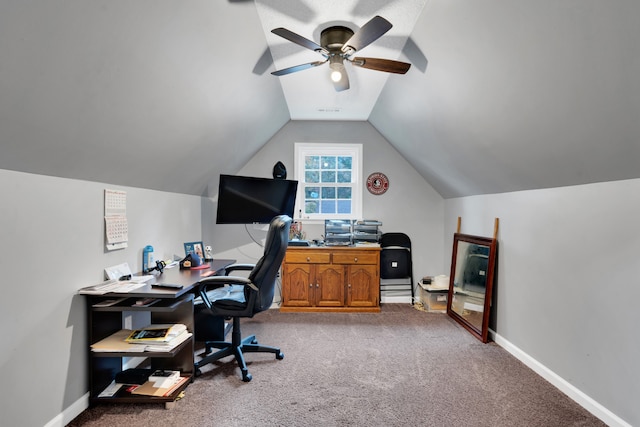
(123, 397)
(165, 304)
(103, 366)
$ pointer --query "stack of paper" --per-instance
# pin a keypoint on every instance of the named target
(149, 388)
(164, 378)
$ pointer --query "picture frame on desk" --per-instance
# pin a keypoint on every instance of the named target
(194, 248)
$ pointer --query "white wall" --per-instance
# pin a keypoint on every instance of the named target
(566, 294)
(568, 285)
(410, 205)
(52, 244)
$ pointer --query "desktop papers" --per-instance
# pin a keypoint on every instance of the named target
(115, 285)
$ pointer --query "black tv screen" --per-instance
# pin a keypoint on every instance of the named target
(251, 200)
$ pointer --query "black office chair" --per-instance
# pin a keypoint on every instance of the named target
(396, 266)
(236, 297)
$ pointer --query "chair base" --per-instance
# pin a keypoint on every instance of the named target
(236, 348)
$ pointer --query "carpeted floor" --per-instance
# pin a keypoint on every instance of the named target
(400, 367)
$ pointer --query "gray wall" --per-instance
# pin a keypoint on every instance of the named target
(568, 283)
(410, 205)
(52, 244)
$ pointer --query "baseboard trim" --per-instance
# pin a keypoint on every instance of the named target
(561, 384)
(404, 299)
(69, 413)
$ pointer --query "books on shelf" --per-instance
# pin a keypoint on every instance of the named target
(159, 333)
(118, 342)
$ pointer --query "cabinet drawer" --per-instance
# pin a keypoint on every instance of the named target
(355, 258)
(307, 257)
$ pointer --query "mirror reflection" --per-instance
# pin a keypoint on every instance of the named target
(470, 286)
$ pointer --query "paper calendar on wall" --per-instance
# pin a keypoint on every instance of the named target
(115, 219)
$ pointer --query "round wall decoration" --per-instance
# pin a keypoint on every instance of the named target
(377, 183)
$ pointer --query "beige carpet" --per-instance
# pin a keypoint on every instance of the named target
(400, 367)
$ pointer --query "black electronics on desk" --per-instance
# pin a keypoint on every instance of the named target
(251, 200)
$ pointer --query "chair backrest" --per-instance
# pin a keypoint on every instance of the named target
(395, 257)
(266, 269)
(395, 239)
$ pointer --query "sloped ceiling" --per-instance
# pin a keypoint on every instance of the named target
(501, 96)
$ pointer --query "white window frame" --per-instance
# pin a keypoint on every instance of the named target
(303, 149)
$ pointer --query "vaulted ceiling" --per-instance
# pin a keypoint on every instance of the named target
(501, 96)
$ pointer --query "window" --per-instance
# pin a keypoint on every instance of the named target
(329, 181)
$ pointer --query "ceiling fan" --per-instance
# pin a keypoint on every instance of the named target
(338, 43)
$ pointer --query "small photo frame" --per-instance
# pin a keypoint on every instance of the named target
(194, 248)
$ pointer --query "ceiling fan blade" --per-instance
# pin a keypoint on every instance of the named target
(297, 68)
(298, 39)
(379, 64)
(368, 33)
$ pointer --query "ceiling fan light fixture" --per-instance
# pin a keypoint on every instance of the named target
(337, 68)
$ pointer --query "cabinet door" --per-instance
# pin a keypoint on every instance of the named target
(329, 285)
(297, 285)
(363, 286)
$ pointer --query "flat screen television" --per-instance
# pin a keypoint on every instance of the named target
(251, 200)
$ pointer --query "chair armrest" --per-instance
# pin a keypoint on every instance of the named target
(239, 267)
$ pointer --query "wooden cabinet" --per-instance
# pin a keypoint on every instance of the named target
(331, 279)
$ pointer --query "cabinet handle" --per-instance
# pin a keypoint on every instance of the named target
(355, 259)
(311, 285)
(308, 259)
(317, 285)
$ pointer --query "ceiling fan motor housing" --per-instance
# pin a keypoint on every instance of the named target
(333, 38)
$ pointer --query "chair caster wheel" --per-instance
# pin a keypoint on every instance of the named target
(246, 377)
(197, 373)
(280, 356)
(254, 341)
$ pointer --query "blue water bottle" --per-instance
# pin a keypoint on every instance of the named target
(147, 258)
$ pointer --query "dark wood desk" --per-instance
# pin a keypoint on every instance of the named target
(187, 278)
(169, 306)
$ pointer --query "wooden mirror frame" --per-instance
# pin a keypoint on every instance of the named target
(457, 295)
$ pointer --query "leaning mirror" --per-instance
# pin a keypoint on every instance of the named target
(471, 282)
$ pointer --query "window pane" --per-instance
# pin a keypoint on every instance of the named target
(344, 162)
(328, 206)
(344, 176)
(311, 192)
(344, 206)
(328, 176)
(328, 162)
(330, 180)
(312, 177)
(312, 162)
(311, 207)
(328, 192)
(344, 192)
